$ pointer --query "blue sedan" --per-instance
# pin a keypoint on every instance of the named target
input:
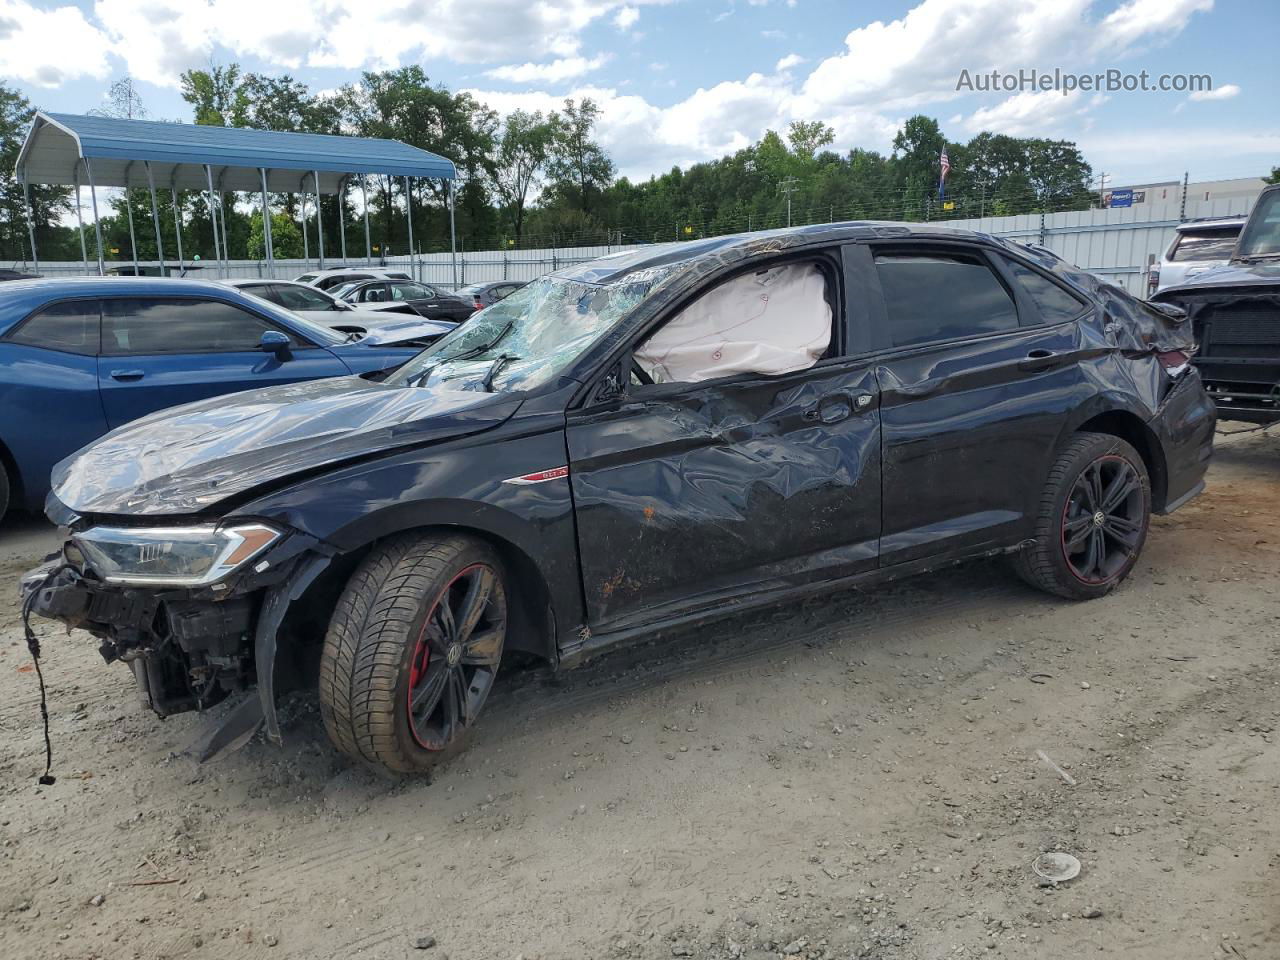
(82, 356)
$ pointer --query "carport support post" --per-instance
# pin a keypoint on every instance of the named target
(453, 243)
(177, 227)
(213, 216)
(368, 241)
(155, 216)
(315, 176)
(408, 212)
(342, 218)
(266, 226)
(31, 224)
(133, 241)
(306, 245)
(97, 227)
(84, 251)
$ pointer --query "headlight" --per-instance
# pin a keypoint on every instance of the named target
(172, 556)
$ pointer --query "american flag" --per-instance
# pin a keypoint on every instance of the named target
(946, 168)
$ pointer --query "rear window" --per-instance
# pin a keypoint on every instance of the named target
(942, 296)
(1205, 245)
(1054, 303)
(398, 276)
(70, 327)
(306, 278)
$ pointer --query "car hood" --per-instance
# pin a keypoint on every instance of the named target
(1265, 273)
(384, 329)
(188, 458)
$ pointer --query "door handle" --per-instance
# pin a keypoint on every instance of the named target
(835, 407)
(127, 376)
(1040, 360)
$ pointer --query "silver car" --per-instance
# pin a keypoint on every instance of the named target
(397, 321)
(1198, 245)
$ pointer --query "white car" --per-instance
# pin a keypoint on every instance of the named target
(1198, 245)
(399, 321)
(328, 279)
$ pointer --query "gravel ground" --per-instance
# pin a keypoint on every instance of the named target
(857, 776)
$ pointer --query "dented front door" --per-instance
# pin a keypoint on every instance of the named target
(688, 494)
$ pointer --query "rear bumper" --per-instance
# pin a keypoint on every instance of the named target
(1184, 425)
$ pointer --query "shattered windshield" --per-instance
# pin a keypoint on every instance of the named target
(526, 339)
(1261, 237)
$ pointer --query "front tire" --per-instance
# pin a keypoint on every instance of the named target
(1092, 520)
(412, 651)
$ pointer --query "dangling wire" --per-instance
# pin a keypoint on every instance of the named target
(33, 645)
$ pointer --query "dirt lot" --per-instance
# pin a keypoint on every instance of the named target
(855, 777)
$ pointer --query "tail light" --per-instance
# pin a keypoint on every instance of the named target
(478, 305)
(1173, 361)
(1153, 279)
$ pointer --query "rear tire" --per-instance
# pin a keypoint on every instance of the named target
(412, 651)
(1092, 519)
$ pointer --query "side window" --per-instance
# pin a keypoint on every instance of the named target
(70, 327)
(407, 291)
(267, 291)
(299, 298)
(373, 293)
(771, 321)
(942, 296)
(1054, 303)
(162, 325)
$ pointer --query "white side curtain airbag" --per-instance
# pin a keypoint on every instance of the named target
(770, 322)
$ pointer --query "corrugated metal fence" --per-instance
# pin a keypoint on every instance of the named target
(1116, 243)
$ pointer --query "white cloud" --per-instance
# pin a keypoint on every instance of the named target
(1031, 114)
(625, 18)
(160, 38)
(556, 71)
(789, 61)
(46, 48)
(1224, 92)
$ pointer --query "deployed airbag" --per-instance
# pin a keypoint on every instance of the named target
(770, 321)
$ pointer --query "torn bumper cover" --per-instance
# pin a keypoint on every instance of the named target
(189, 648)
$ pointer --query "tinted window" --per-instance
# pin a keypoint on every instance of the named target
(410, 291)
(1205, 245)
(263, 290)
(299, 298)
(942, 296)
(1261, 235)
(306, 278)
(373, 293)
(397, 276)
(70, 327)
(156, 325)
(1054, 303)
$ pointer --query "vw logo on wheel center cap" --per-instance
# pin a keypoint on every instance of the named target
(453, 654)
(1099, 518)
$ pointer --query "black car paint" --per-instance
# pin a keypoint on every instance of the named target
(438, 306)
(685, 501)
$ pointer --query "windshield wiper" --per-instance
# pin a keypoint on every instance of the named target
(494, 369)
(484, 347)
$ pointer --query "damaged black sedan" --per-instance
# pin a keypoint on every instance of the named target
(642, 442)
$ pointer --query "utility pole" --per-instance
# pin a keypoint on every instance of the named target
(1182, 211)
(1102, 186)
(789, 186)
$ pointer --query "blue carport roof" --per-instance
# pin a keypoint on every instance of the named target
(178, 152)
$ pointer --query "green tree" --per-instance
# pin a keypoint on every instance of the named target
(216, 95)
(286, 238)
(48, 204)
(806, 136)
(579, 168)
(523, 151)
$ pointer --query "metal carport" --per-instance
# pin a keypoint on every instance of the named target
(63, 148)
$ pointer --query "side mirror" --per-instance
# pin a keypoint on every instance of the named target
(273, 341)
(341, 305)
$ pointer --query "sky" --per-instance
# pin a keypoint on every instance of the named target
(680, 81)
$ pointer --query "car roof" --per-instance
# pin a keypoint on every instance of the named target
(1212, 223)
(613, 267)
(339, 271)
(19, 297)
